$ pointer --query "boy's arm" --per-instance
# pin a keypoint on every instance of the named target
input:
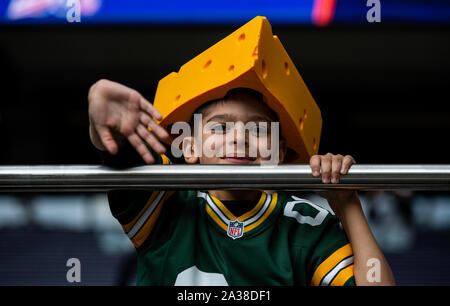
(120, 121)
(368, 257)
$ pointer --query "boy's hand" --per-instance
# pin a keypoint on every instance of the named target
(332, 167)
(118, 113)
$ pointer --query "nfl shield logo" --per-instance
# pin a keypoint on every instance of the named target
(235, 229)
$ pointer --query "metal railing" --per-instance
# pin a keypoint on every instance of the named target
(91, 178)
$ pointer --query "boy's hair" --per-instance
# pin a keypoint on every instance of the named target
(246, 91)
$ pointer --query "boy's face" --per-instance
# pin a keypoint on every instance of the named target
(235, 131)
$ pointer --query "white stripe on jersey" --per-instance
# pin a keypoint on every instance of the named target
(260, 212)
(343, 264)
(141, 221)
(217, 210)
(213, 206)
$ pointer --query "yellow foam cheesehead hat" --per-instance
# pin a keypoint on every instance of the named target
(251, 57)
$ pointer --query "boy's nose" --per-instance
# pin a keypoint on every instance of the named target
(239, 134)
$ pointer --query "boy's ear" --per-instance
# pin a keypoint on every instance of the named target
(189, 150)
(282, 150)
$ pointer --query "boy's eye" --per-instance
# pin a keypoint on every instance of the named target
(260, 130)
(218, 128)
(263, 129)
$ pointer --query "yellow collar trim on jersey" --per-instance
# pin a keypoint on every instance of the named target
(245, 216)
(253, 218)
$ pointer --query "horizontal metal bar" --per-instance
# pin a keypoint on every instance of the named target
(91, 178)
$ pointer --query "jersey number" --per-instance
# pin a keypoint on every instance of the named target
(317, 220)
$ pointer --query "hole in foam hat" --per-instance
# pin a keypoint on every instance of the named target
(255, 52)
(207, 64)
(264, 69)
(241, 37)
(287, 69)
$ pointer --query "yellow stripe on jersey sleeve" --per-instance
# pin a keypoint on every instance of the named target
(127, 227)
(165, 159)
(328, 264)
(343, 276)
(147, 228)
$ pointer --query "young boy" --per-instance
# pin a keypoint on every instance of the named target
(229, 237)
(247, 104)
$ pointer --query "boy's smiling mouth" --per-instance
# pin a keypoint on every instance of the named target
(239, 159)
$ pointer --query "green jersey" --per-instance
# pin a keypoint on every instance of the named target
(191, 238)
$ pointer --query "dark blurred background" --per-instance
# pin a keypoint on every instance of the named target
(382, 90)
(381, 86)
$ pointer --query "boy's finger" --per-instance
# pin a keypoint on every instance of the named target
(107, 139)
(134, 101)
(112, 90)
(335, 168)
(151, 139)
(141, 148)
(326, 168)
(150, 109)
(155, 128)
(346, 164)
(314, 163)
